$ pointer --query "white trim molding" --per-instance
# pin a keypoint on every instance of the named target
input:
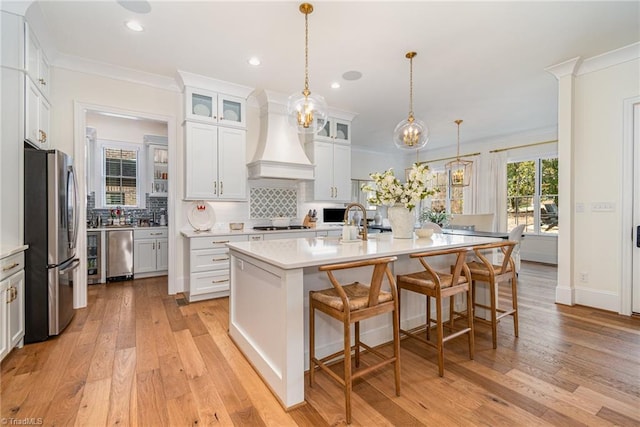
(609, 59)
(604, 300)
(83, 65)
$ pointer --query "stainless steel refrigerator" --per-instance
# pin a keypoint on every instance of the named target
(51, 231)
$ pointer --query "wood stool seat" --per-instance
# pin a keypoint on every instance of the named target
(440, 285)
(362, 302)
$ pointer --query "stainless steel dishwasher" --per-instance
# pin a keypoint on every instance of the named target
(119, 255)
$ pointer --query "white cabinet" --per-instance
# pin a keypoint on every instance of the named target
(11, 303)
(215, 162)
(36, 63)
(209, 266)
(214, 108)
(37, 116)
(150, 252)
(333, 171)
(158, 162)
(335, 130)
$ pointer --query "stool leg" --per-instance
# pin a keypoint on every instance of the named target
(396, 348)
(470, 321)
(357, 344)
(451, 317)
(514, 303)
(428, 320)
(312, 339)
(494, 321)
(347, 370)
(440, 347)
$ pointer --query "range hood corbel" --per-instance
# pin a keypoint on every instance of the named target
(279, 153)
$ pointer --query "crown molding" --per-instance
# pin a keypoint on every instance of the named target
(83, 65)
(565, 68)
(611, 58)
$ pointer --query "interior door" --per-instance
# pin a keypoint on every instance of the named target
(636, 210)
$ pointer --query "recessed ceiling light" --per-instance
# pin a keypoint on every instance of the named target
(335, 85)
(352, 75)
(134, 26)
(254, 61)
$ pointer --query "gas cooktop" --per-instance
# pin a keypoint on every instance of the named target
(272, 228)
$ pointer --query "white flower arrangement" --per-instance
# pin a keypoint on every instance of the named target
(388, 190)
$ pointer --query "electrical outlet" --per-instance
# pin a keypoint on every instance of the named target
(584, 277)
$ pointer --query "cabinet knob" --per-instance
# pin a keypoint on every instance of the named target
(43, 136)
(42, 82)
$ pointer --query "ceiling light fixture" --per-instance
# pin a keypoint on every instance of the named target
(335, 85)
(254, 61)
(307, 112)
(134, 26)
(411, 133)
(459, 170)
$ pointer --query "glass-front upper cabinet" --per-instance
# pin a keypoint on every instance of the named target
(335, 130)
(215, 108)
(158, 156)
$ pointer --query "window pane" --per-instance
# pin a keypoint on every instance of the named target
(532, 190)
(120, 180)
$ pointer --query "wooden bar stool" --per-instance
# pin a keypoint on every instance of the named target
(485, 271)
(440, 285)
(350, 304)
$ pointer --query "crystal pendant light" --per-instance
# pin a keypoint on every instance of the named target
(459, 170)
(307, 111)
(411, 133)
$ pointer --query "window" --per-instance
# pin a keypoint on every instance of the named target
(532, 195)
(120, 175)
(449, 199)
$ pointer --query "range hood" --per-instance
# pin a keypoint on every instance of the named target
(279, 153)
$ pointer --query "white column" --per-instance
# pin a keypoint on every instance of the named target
(565, 73)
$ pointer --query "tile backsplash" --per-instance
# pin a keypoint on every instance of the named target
(155, 205)
(273, 202)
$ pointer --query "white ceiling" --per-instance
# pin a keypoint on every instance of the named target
(483, 62)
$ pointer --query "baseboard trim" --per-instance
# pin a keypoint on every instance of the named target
(604, 300)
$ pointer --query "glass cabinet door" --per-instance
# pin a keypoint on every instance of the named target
(159, 159)
(342, 129)
(232, 110)
(201, 105)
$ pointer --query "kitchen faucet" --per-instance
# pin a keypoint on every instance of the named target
(364, 217)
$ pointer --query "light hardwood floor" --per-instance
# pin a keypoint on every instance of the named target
(135, 357)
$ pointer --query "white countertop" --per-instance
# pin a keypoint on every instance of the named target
(6, 251)
(130, 227)
(313, 251)
(226, 232)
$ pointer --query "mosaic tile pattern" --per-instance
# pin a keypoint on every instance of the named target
(155, 205)
(273, 202)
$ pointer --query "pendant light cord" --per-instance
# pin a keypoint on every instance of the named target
(458, 152)
(306, 91)
(411, 85)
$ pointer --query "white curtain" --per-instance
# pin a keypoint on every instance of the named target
(496, 198)
(488, 190)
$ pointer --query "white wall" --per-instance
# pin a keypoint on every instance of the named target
(598, 135)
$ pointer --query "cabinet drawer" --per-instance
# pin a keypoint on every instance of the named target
(209, 259)
(204, 283)
(150, 233)
(214, 242)
(11, 265)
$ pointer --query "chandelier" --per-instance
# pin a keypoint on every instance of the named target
(411, 133)
(307, 112)
(459, 170)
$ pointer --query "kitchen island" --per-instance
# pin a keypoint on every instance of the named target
(269, 288)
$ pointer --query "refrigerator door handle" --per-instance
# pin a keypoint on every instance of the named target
(73, 234)
(74, 264)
